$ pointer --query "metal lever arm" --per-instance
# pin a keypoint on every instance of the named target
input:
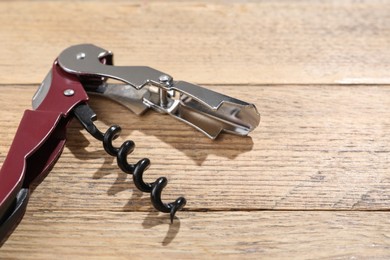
(206, 110)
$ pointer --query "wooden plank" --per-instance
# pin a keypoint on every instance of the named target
(253, 235)
(317, 147)
(311, 182)
(227, 42)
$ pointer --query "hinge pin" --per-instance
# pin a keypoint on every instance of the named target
(166, 81)
(69, 92)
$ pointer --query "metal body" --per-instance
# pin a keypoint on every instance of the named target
(62, 96)
(206, 110)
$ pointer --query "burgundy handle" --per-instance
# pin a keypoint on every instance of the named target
(39, 141)
(32, 139)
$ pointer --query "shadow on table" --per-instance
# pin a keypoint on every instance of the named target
(178, 135)
(191, 142)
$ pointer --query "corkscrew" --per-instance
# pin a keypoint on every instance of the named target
(86, 116)
(62, 96)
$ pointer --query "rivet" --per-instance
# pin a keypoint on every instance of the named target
(69, 92)
(80, 56)
(165, 78)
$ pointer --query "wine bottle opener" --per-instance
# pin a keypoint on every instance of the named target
(62, 96)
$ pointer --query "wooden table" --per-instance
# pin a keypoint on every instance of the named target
(312, 181)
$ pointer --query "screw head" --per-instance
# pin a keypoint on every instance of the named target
(69, 92)
(165, 78)
(80, 56)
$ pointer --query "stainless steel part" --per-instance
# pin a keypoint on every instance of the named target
(42, 91)
(206, 110)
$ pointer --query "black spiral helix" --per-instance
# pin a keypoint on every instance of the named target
(86, 116)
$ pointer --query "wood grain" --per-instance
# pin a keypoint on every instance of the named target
(312, 181)
(252, 235)
(318, 147)
(206, 41)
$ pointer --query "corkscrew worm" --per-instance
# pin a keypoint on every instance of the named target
(86, 116)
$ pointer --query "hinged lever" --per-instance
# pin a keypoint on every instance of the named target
(206, 110)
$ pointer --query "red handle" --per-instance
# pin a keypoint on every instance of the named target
(31, 141)
(40, 138)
